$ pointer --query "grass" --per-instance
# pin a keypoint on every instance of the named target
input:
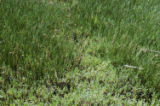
(74, 52)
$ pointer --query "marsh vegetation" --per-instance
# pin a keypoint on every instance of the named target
(80, 52)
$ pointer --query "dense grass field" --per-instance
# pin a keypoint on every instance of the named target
(80, 52)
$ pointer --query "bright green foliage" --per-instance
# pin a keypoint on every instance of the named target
(75, 52)
(32, 44)
(127, 32)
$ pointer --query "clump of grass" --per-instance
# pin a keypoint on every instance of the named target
(84, 52)
(124, 28)
(32, 45)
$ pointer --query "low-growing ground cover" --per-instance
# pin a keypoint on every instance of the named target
(79, 52)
